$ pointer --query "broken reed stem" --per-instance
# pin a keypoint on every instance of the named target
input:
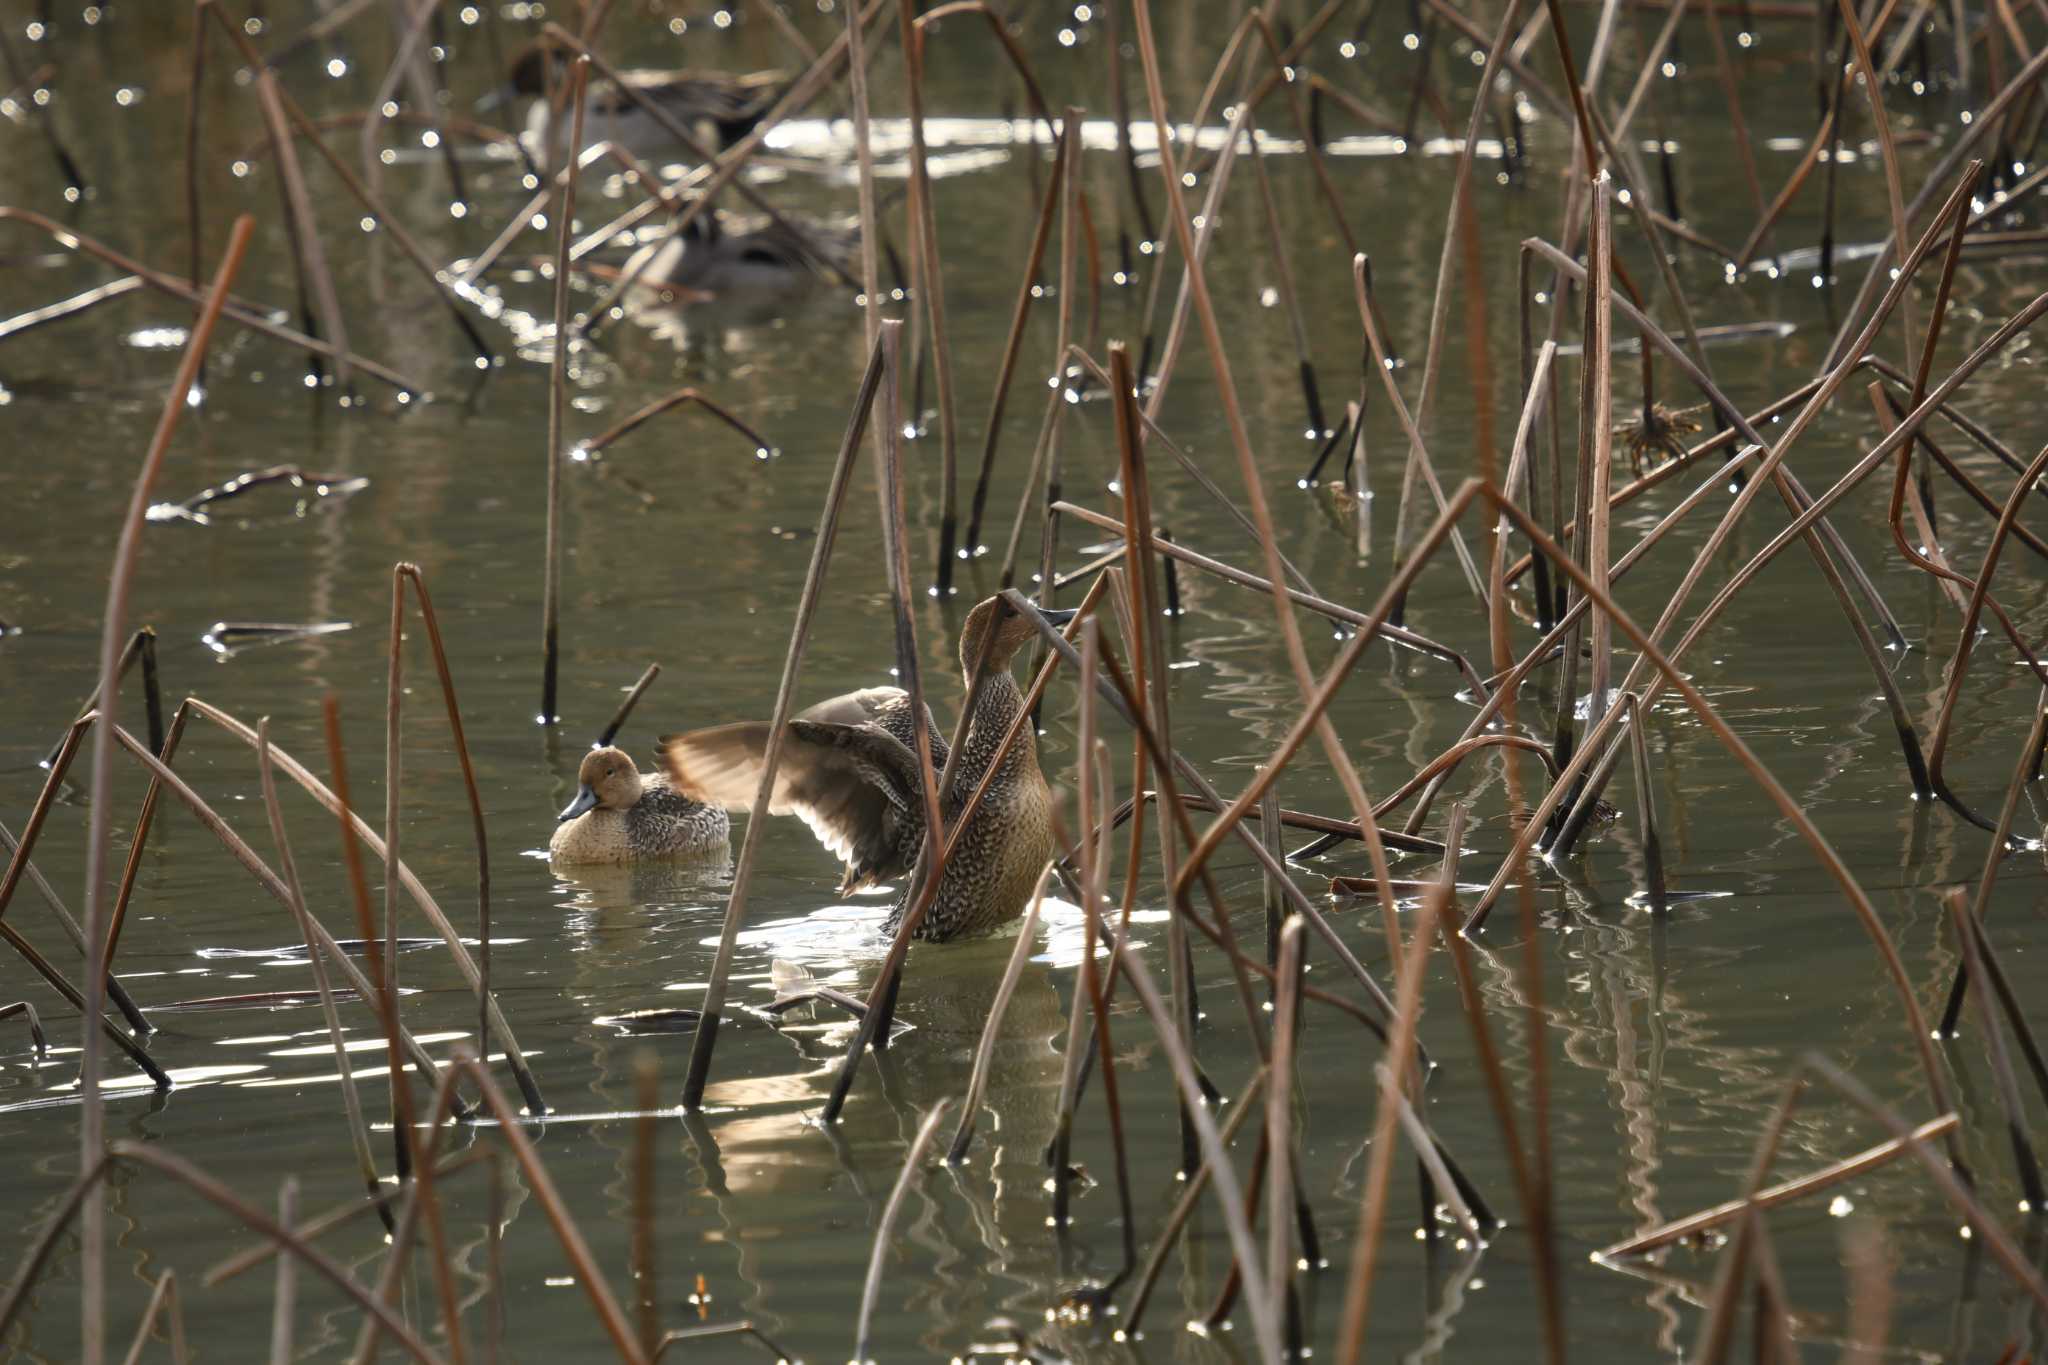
(632, 699)
(1013, 345)
(284, 1290)
(2006, 1084)
(646, 1290)
(873, 1285)
(984, 1051)
(762, 448)
(1699, 1224)
(1393, 1080)
(1994, 856)
(314, 276)
(706, 1037)
(288, 869)
(934, 301)
(558, 362)
(457, 950)
(99, 825)
(234, 310)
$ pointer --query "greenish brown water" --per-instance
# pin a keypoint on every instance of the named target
(1668, 1038)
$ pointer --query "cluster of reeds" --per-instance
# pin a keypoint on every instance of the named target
(1544, 511)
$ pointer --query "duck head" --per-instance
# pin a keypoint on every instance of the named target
(530, 69)
(1011, 632)
(608, 780)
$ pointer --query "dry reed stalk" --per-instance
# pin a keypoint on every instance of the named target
(1146, 643)
(1045, 453)
(154, 1157)
(1794, 182)
(680, 398)
(42, 966)
(242, 314)
(977, 1079)
(1118, 691)
(928, 873)
(404, 1128)
(167, 751)
(1198, 291)
(403, 573)
(1461, 190)
(371, 205)
(414, 888)
(1717, 1329)
(1596, 431)
(71, 307)
(1392, 1081)
(351, 1101)
(1774, 457)
(284, 1291)
(1880, 275)
(1697, 1225)
(1953, 1184)
(1994, 856)
(551, 583)
(91, 1137)
(1283, 277)
(75, 186)
(873, 1285)
(1013, 345)
(2025, 1164)
(165, 1305)
(631, 700)
(1824, 853)
(646, 1291)
(319, 304)
(821, 554)
(1184, 1206)
(240, 851)
(1280, 1171)
(1419, 466)
(1223, 1179)
(1654, 887)
(37, 1038)
(926, 240)
(1959, 659)
(320, 1224)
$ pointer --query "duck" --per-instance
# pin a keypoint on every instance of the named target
(724, 254)
(849, 771)
(725, 105)
(621, 816)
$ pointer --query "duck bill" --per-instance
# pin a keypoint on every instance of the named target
(1057, 616)
(586, 799)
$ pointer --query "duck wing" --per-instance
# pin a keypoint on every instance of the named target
(885, 707)
(855, 785)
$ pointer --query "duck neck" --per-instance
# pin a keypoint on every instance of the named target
(1000, 701)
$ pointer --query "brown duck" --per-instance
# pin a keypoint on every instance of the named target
(849, 770)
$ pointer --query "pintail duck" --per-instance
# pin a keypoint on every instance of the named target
(849, 770)
(719, 253)
(619, 816)
(717, 106)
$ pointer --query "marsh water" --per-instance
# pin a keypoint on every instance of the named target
(1668, 1035)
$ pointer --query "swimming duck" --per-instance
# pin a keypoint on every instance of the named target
(619, 816)
(849, 771)
(724, 105)
(720, 253)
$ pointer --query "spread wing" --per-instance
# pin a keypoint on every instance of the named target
(853, 784)
(886, 707)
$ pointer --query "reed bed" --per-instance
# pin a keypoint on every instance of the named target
(1570, 685)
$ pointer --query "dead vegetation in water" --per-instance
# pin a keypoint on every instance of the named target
(1557, 740)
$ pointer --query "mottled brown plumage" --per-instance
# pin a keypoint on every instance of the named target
(619, 816)
(849, 771)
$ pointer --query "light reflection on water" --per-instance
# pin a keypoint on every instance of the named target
(1670, 1036)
